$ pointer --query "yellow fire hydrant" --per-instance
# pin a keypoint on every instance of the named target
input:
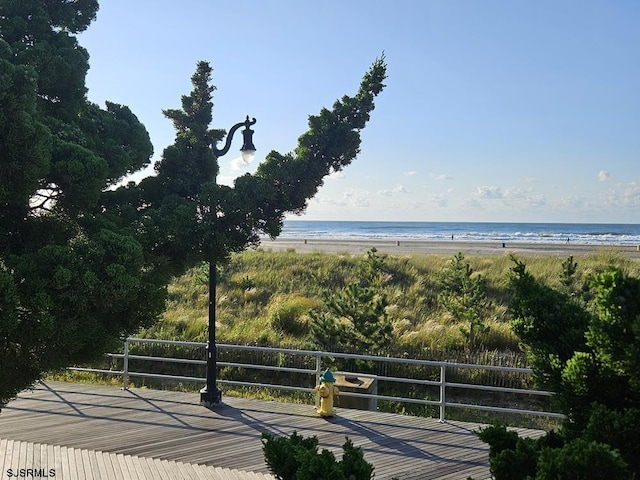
(327, 390)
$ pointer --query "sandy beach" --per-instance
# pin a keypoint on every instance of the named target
(445, 248)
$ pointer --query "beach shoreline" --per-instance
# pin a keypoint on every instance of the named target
(441, 247)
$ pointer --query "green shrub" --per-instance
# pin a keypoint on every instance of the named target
(620, 429)
(515, 458)
(581, 460)
(314, 466)
(498, 438)
(297, 458)
(518, 463)
(353, 462)
(585, 348)
(281, 453)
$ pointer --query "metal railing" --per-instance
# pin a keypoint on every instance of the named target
(442, 383)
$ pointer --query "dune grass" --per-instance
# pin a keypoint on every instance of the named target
(264, 297)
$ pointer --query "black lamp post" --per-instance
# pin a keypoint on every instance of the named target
(211, 395)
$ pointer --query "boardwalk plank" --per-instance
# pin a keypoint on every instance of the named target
(55, 453)
(62, 468)
(115, 464)
(3, 448)
(133, 465)
(145, 468)
(83, 464)
(28, 460)
(22, 457)
(9, 455)
(73, 469)
(101, 466)
(51, 457)
(190, 472)
(122, 463)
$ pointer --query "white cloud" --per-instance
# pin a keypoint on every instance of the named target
(604, 176)
(490, 193)
(629, 193)
(510, 199)
(336, 175)
(356, 199)
(472, 203)
(225, 180)
(573, 202)
(514, 192)
(622, 195)
(440, 176)
(530, 180)
(411, 173)
(537, 200)
(329, 202)
(390, 193)
(239, 164)
(440, 200)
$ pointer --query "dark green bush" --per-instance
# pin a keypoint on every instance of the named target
(314, 466)
(586, 349)
(518, 463)
(353, 462)
(280, 453)
(498, 438)
(607, 449)
(619, 429)
(581, 460)
(297, 458)
(512, 457)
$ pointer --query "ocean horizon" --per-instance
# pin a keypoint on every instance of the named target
(549, 233)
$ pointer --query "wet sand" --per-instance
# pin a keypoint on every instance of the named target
(444, 247)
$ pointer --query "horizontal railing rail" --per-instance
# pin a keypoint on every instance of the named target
(441, 367)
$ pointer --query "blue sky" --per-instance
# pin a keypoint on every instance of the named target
(494, 110)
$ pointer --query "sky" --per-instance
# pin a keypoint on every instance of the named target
(494, 110)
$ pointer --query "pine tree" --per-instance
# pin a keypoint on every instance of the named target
(83, 263)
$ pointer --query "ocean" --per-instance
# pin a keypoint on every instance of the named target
(579, 233)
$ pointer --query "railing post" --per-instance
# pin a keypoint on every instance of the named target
(125, 367)
(443, 388)
(318, 373)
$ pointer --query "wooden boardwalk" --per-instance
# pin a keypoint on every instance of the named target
(171, 427)
(36, 460)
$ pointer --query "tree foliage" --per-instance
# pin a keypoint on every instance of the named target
(83, 261)
(464, 296)
(70, 284)
(550, 457)
(355, 318)
(586, 349)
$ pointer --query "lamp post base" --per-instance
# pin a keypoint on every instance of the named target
(210, 398)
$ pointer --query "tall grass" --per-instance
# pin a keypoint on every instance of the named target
(264, 297)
